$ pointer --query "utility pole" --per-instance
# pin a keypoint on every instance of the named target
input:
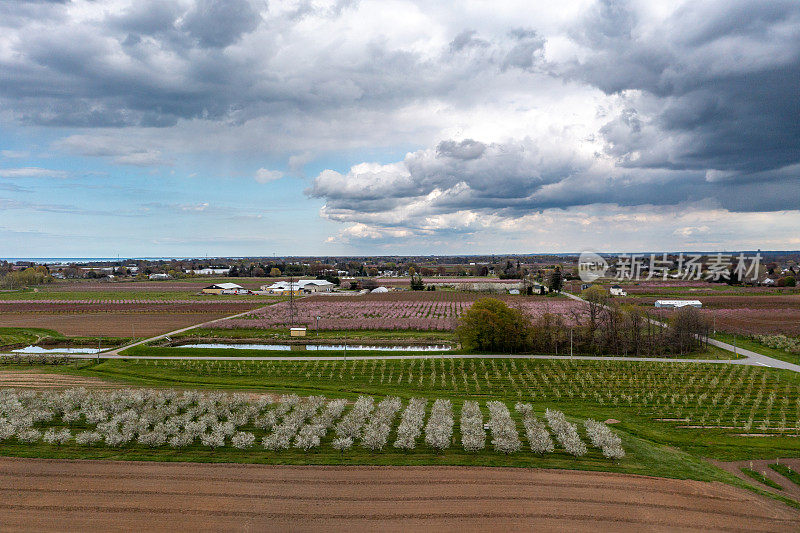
(570, 342)
(291, 300)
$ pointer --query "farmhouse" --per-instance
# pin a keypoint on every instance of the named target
(616, 290)
(674, 304)
(307, 286)
(224, 288)
(209, 271)
(159, 276)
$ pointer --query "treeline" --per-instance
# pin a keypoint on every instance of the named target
(605, 329)
(17, 279)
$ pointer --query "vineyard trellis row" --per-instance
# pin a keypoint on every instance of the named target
(159, 418)
(740, 398)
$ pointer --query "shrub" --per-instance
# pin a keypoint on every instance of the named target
(243, 440)
(376, 432)
(411, 423)
(439, 429)
(352, 423)
(490, 325)
(473, 436)
(53, 436)
(565, 432)
(602, 437)
(538, 436)
(505, 438)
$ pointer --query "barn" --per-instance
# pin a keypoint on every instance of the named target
(306, 286)
(225, 288)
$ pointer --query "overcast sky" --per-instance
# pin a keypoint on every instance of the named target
(238, 127)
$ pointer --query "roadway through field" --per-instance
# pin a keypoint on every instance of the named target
(60, 495)
(750, 357)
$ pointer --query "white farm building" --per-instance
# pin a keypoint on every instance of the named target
(674, 304)
(307, 286)
(209, 271)
(225, 288)
(616, 290)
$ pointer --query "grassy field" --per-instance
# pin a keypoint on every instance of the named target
(786, 472)
(17, 337)
(312, 334)
(670, 415)
(642, 456)
(755, 346)
(761, 478)
(711, 353)
(703, 409)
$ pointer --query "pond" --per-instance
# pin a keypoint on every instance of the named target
(319, 347)
(39, 349)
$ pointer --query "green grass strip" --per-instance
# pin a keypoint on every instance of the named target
(761, 478)
(786, 472)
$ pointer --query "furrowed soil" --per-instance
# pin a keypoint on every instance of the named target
(43, 380)
(46, 495)
(108, 324)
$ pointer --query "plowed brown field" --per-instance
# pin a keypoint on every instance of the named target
(108, 324)
(43, 380)
(45, 495)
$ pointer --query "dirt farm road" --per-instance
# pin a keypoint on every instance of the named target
(46, 495)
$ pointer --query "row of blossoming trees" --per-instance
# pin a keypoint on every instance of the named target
(178, 420)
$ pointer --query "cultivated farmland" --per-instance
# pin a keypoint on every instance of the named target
(736, 398)
(157, 419)
(122, 319)
(437, 310)
(152, 496)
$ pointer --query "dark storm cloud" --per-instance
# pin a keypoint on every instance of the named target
(466, 149)
(711, 113)
(698, 105)
(219, 23)
(723, 78)
(155, 63)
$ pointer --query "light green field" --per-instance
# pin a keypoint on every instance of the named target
(753, 345)
(43, 337)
